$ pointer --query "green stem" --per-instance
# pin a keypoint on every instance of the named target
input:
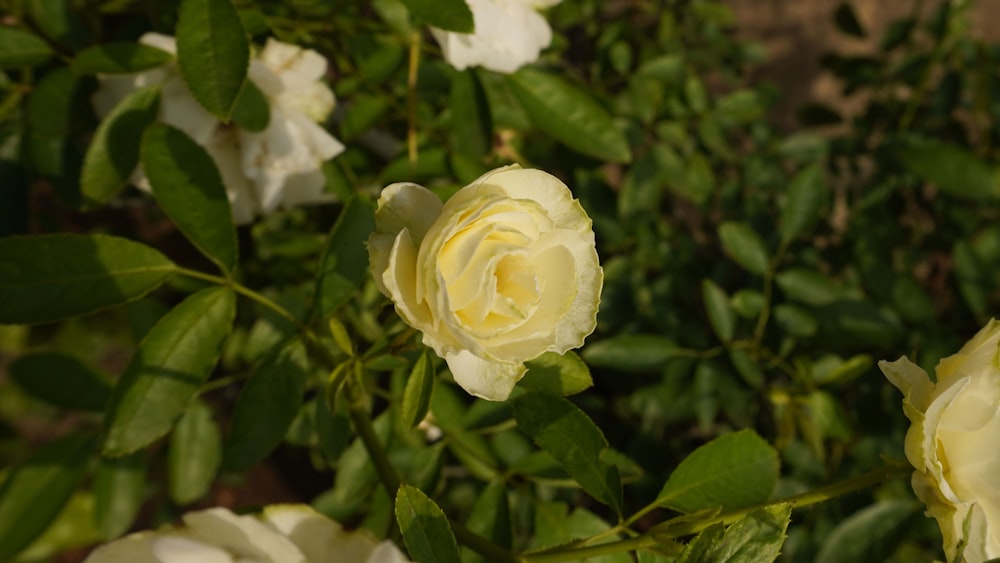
(682, 526)
(363, 425)
(489, 550)
(580, 553)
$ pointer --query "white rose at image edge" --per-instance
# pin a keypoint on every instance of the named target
(954, 441)
(279, 166)
(293, 533)
(503, 272)
(508, 35)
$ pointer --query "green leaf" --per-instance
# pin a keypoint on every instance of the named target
(556, 525)
(119, 491)
(55, 104)
(114, 151)
(806, 197)
(252, 111)
(45, 278)
(471, 130)
(720, 314)
(63, 381)
(417, 394)
(425, 528)
(569, 436)
(21, 48)
(213, 53)
(570, 115)
(345, 260)
(734, 470)
(744, 246)
(871, 534)
(973, 278)
(189, 189)
(755, 538)
(559, 374)
(951, 168)
(168, 369)
(267, 406)
(59, 22)
(807, 286)
(449, 15)
(490, 518)
(35, 491)
(194, 454)
(119, 58)
(630, 352)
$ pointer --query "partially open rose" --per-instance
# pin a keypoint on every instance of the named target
(503, 272)
(953, 442)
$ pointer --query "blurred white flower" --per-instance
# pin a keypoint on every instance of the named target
(293, 533)
(508, 35)
(277, 167)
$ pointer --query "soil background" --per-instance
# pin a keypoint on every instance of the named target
(798, 33)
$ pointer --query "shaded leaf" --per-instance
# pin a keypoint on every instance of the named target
(449, 15)
(114, 151)
(345, 260)
(490, 518)
(570, 115)
(252, 110)
(425, 528)
(417, 394)
(59, 22)
(870, 535)
(119, 58)
(213, 53)
(720, 314)
(471, 131)
(168, 369)
(194, 454)
(189, 189)
(572, 438)
(560, 374)
(22, 48)
(35, 491)
(46, 278)
(741, 243)
(119, 491)
(630, 352)
(267, 406)
(61, 380)
(951, 168)
(806, 197)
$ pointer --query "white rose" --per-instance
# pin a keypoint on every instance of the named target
(277, 167)
(953, 442)
(503, 272)
(508, 35)
(280, 534)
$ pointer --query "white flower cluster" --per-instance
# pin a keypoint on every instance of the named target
(262, 171)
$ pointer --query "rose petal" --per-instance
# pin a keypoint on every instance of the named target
(386, 552)
(407, 206)
(177, 549)
(492, 381)
(134, 548)
(242, 535)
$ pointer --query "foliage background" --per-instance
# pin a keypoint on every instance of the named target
(760, 256)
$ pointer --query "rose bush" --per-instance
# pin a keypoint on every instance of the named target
(279, 534)
(508, 35)
(503, 272)
(952, 442)
(279, 166)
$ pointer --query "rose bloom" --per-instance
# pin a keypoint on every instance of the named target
(508, 35)
(954, 442)
(264, 170)
(293, 533)
(503, 272)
